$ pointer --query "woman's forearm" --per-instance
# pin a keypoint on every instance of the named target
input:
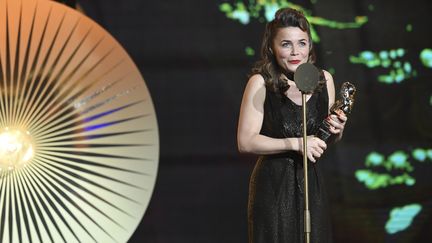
(260, 144)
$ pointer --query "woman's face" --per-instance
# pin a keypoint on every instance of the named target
(291, 47)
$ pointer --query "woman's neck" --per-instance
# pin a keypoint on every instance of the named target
(287, 74)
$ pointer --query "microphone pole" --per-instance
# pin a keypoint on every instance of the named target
(307, 223)
(306, 78)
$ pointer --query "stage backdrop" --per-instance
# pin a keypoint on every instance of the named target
(195, 57)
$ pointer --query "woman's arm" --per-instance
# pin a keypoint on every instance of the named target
(251, 117)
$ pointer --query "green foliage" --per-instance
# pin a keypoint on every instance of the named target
(401, 218)
(409, 27)
(249, 51)
(373, 180)
(399, 69)
(426, 57)
(422, 155)
(396, 167)
(264, 10)
(397, 160)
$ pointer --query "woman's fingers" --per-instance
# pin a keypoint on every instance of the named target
(334, 130)
(316, 154)
(310, 157)
(341, 116)
(315, 148)
(321, 143)
(337, 122)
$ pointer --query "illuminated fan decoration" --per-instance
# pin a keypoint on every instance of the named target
(79, 141)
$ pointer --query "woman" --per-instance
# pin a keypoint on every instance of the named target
(270, 125)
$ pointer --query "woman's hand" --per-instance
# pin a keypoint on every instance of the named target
(315, 148)
(337, 122)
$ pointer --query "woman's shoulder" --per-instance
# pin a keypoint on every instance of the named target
(256, 80)
(326, 78)
(256, 87)
(329, 85)
(257, 77)
(327, 75)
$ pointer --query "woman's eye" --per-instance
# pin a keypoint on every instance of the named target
(286, 44)
(302, 43)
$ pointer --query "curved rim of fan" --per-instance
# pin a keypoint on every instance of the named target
(79, 141)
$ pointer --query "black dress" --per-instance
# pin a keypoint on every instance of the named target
(276, 199)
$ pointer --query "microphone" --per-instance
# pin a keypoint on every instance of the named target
(306, 77)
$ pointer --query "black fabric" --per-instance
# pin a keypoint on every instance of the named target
(276, 198)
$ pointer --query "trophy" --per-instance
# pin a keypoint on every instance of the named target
(345, 104)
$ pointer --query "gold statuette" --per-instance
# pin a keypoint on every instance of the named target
(344, 104)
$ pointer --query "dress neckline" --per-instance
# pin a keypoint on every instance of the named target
(300, 105)
(283, 76)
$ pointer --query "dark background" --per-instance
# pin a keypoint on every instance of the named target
(192, 58)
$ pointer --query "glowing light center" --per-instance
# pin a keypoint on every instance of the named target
(16, 149)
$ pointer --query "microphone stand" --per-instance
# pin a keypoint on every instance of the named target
(307, 223)
(306, 78)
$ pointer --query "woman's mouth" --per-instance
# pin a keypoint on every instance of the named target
(294, 61)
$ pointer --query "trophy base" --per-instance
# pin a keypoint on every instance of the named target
(323, 132)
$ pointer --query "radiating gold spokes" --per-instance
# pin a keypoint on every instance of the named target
(79, 140)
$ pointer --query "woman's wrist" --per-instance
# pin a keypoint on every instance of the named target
(294, 144)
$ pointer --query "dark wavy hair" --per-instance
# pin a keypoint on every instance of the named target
(268, 66)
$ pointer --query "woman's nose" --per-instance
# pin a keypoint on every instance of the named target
(293, 51)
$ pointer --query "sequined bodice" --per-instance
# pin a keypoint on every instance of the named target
(284, 118)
